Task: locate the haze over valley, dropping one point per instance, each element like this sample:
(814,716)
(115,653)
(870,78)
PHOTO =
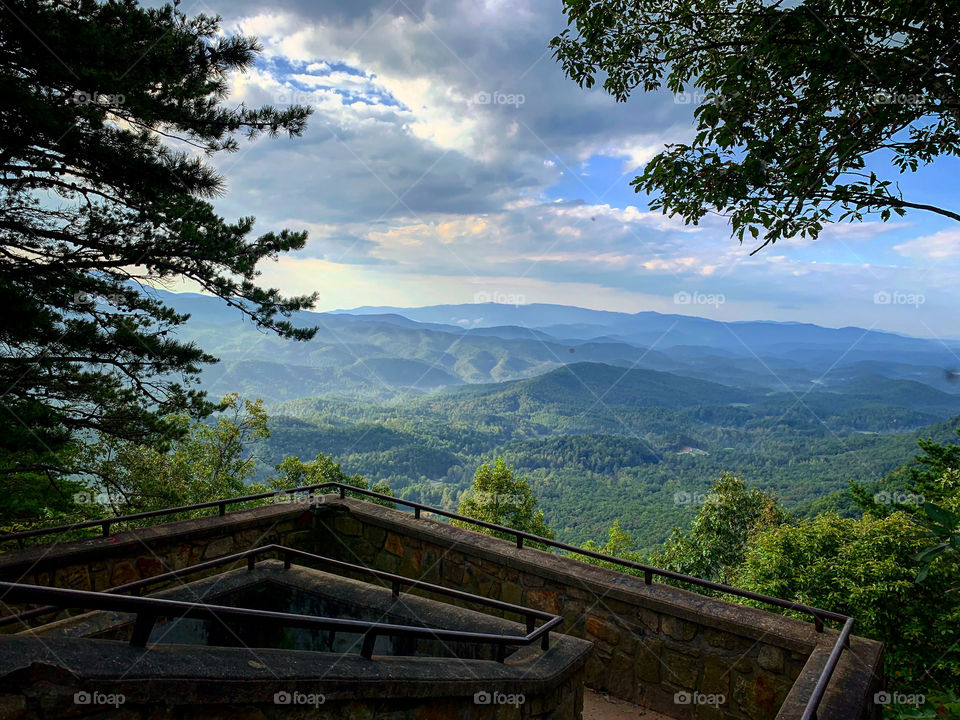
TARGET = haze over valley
(610,415)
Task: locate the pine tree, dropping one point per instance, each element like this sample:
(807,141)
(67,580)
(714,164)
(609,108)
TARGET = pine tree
(109,113)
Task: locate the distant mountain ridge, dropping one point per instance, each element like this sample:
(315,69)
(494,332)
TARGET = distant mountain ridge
(386,352)
(672,329)
(593,383)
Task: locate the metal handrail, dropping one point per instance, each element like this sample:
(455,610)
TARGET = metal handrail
(843,641)
(106,523)
(819,615)
(396,582)
(148,610)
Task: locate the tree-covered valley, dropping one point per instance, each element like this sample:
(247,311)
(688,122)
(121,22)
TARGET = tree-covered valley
(161,349)
(605,426)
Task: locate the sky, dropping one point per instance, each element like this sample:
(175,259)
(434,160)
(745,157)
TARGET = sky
(449,160)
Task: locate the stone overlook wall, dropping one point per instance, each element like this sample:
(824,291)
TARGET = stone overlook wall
(682,654)
(666,649)
(225,685)
(99,564)
(40,681)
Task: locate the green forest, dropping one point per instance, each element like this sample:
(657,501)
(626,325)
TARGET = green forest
(816,464)
(592,463)
(885,550)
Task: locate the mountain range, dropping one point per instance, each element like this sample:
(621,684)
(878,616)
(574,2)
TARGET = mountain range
(609,415)
(389,351)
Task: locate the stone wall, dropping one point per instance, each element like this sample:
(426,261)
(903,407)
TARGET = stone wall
(101,563)
(226,684)
(658,646)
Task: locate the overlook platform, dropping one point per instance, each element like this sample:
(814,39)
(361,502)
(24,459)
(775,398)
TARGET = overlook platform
(668,652)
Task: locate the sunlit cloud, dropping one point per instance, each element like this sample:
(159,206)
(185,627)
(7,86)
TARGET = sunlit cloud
(446,143)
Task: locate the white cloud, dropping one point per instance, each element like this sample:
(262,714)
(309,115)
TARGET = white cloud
(628,215)
(448,190)
(943,245)
(637,149)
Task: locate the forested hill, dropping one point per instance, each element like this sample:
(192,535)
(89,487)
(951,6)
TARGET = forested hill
(389,354)
(593,383)
(610,414)
(593,463)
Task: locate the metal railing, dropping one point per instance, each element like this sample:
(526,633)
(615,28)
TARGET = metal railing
(148,610)
(818,615)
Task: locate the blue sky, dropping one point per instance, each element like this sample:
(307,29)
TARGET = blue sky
(449,159)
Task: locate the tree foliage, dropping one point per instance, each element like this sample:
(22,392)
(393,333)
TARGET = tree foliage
(209,460)
(930,473)
(805,111)
(582,473)
(619,544)
(943,529)
(721,531)
(293,472)
(498,497)
(895,569)
(868,568)
(931,476)
(104,190)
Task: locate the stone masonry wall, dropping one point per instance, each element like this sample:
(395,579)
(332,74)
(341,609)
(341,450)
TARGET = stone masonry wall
(99,564)
(665,649)
(658,646)
(53,701)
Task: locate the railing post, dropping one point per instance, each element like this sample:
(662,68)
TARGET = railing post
(501,652)
(396,588)
(286,560)
(251,562)
(647,577)
(818,623)
(106,528)
(530,623)
(366,650)
(142,629)
(223,509)
(343,492)
(545,641)
(519,542)
(416,512)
